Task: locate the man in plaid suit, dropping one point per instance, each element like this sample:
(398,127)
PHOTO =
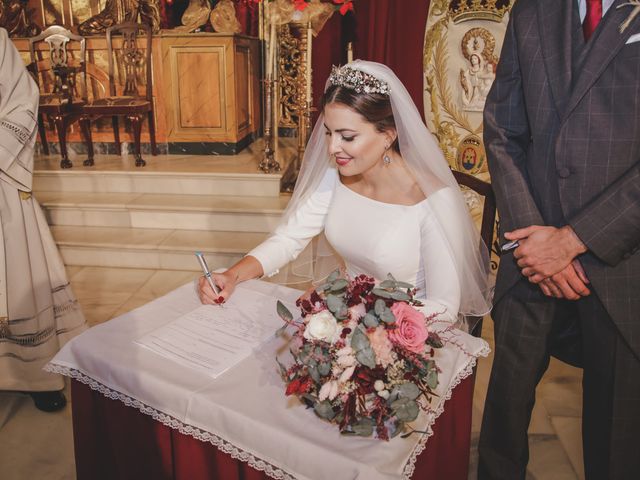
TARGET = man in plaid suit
(562,132)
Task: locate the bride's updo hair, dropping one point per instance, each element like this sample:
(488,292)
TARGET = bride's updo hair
(375,108)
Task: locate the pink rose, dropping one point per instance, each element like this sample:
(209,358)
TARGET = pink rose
(411,329)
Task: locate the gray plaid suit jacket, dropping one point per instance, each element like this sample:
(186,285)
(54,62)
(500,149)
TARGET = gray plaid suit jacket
(562,132)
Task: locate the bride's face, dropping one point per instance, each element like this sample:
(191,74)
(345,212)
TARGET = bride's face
(355,144)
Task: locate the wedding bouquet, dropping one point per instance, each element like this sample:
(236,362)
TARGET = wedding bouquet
(363,355)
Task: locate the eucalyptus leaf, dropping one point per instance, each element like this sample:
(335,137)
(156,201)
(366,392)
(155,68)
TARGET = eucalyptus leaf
(333,276)
(406,410)
(388,284)
(388,317)
(400,296)
(370,320)
(284,312)
(313,372)
(339,284)
(381,293)
(379,307)
(408,390)
(324,410)
(404,285)
(334,303)
(359,339)
(363,428)
(432,379)
(391,277)
(283,369)
(366,357)
(324,368)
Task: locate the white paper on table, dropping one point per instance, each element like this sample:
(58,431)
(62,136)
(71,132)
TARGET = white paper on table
(213,339)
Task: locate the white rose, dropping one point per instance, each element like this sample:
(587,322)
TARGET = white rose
(378,385)
(322,326)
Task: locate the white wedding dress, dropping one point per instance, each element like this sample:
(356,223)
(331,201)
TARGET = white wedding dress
(374,238)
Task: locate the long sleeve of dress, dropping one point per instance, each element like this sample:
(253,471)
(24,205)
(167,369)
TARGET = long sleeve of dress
(18,116)
(292,236)
(442,285)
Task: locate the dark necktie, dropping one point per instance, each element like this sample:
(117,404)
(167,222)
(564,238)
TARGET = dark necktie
(594,14)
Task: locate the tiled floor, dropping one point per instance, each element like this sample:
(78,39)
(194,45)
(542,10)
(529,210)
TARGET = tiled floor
(39,446)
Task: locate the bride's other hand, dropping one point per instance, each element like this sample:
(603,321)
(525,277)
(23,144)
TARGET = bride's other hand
(226,281)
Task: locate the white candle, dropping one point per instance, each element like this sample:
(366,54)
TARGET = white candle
(350,52)
(309,46)
(272,51)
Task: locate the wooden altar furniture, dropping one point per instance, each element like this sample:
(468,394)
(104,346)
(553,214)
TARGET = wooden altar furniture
(60,76)
(125,98)
(205,91)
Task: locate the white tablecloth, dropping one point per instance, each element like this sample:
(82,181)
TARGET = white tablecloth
(244,412)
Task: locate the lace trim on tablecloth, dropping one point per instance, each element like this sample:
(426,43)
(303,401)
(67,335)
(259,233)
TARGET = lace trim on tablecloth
(239,454)
(410,466)
(223,445)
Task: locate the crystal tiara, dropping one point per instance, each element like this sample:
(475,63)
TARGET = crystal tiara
(357,80)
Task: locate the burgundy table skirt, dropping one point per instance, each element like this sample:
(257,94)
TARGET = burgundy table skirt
(116,442)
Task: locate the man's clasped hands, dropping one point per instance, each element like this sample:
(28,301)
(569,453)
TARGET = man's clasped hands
(547,256)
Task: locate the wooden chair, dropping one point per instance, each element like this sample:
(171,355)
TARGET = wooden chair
(59,77)
(125,98)
(488,220)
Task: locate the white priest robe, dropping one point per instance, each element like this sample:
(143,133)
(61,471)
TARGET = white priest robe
(38,311)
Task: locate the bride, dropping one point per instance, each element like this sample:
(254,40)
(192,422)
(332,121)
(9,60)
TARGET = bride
(375,182)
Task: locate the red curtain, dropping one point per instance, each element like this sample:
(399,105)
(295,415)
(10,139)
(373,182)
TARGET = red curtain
(392,32)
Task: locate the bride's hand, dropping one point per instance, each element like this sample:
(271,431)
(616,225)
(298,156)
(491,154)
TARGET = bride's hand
(226,281)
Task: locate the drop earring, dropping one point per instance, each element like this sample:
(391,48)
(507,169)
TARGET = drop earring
(386,159)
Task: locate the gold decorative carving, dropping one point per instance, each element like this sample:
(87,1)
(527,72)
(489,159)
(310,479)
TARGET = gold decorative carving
(459,68)
(15,18)
(118,11)
(288,71)
(491,10)
(223,18)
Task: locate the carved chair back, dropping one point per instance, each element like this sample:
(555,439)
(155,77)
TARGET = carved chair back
(63,71)
(485,190)
(130,65)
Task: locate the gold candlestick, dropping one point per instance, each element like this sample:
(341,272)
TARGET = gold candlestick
(269,163)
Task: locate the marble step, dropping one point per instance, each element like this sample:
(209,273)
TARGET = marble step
(157,182)
(156,211)
(163,249)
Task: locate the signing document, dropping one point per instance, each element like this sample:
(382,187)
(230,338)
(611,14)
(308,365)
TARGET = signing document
(213,339)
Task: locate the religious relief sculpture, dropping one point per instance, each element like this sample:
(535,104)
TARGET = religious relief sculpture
(118,11)
(476,79)
(14,18)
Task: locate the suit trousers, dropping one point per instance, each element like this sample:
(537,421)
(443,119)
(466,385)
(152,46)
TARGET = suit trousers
(529,327)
